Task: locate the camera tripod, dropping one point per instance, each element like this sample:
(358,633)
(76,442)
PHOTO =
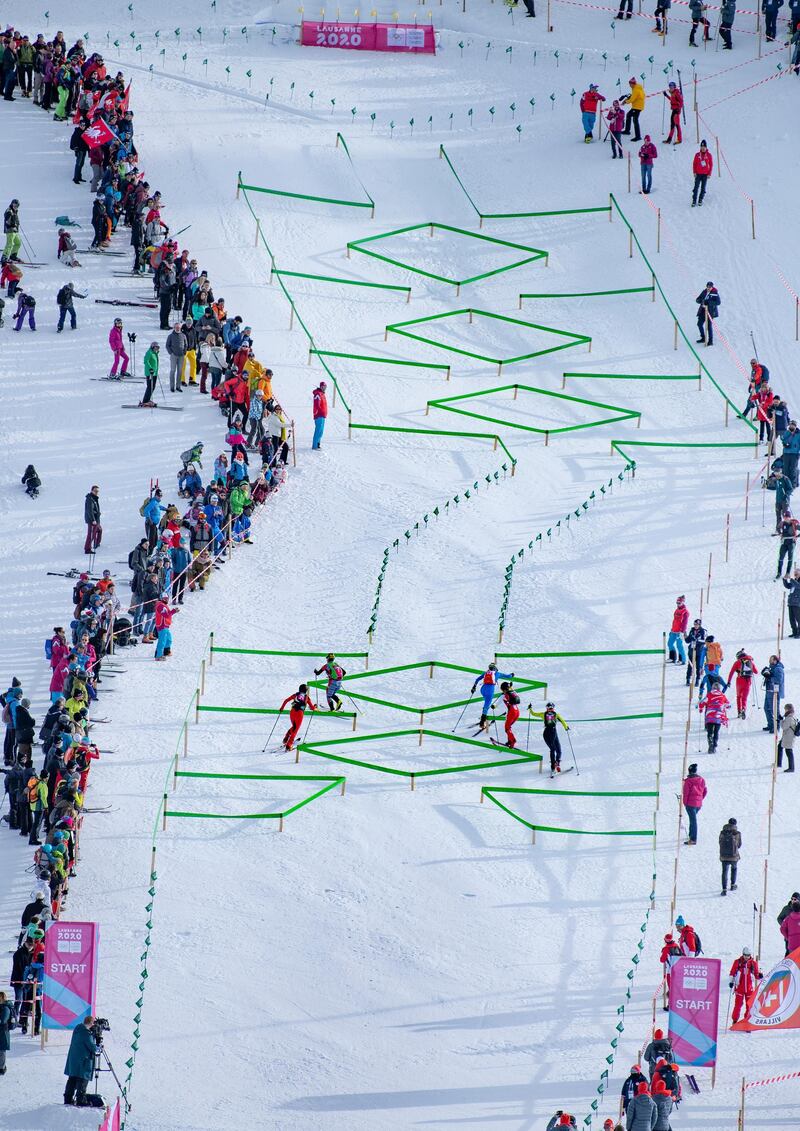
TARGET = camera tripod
(101,1054)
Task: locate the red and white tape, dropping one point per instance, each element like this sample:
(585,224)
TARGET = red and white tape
(771,1080)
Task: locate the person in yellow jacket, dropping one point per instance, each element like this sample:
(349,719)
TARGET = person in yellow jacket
(37,799)
(636,100)
(76,702)
(550,718)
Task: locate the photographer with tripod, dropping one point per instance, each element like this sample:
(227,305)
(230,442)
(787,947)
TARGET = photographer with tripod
(80,1062)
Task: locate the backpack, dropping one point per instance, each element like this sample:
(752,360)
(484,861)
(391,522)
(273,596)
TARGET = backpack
(698,945)
(33,790)
(141,512)
(746,669)
(727,844)
(48,649)
(670,1078)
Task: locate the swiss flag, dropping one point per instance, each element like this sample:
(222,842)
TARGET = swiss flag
(124,102)
(99,133)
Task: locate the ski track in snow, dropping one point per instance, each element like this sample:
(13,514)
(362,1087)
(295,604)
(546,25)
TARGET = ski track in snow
(398,959)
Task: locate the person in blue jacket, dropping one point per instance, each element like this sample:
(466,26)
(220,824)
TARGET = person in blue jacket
(488,684)
(708,304)
(80,1063)
(773,691)
(189,482)
(770,10)
(11,700)
(696,641)
(215,516)
(152,512)
(180,563)
(790,439)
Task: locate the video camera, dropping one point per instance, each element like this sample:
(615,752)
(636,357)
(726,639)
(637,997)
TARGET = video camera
(99,1026)
(131,337)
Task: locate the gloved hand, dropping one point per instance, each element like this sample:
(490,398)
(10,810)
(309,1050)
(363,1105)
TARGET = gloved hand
(731,983)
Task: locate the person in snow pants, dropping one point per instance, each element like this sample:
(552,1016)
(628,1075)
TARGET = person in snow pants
(91,516)
(551,718)
(335,673)
(744,978)
(488,684)
(300,700)
(715,705)
(511,703)
(793,603)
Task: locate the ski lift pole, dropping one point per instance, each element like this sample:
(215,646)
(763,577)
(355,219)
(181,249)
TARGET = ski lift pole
(572,750)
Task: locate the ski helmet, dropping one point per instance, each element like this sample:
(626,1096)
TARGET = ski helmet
(505,686)
(550,705)
(330,656)
(303,687)
(492,667)
(672,86)
(746,952)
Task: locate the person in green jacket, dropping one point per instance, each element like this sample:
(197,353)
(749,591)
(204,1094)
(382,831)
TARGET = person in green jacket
(151,375)
(239,498)
(25,57)
(37,799)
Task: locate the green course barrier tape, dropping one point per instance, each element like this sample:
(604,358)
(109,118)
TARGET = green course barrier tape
(487,789)
(574,339)
(617,445)
(381,360)
(435,432)
(587,294)
(281,652)
(340,138)
(256,777)
(446,405)
(634,376)
(308,196)
(339,279)
(333,783)
(598,652)
(443,153)
(534,253)
(489,793)
(266,710)
(619,718)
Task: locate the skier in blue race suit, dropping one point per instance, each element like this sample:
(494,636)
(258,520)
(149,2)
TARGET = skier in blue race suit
(488,683)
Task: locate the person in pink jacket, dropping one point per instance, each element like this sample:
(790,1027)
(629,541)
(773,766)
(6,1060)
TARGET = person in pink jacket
(616,123)
(680,622)
(117,343)
(694,792)
(790,929)
(715,706)
(59,677)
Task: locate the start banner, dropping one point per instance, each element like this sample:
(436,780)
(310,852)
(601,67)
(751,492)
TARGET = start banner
(70,973)
(694,1010)
(415,38)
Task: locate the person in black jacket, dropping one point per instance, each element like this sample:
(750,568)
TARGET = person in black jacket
(24,727)
(148,596)
(708,304)
(80,149)
(91,516)
(793,585)
(696,641)
(22,958)
(99,221)
(636,1078)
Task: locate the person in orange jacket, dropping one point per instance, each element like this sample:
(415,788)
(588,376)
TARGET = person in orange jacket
(675,99)
(702,167)
(745,668)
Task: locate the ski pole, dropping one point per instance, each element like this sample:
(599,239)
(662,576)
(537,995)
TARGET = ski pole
(755,348)
(266,744)
(730,995)
(31,252)
(461,716)
(755,913)
(310,717)
(572,748)
(351,703)
(528,739)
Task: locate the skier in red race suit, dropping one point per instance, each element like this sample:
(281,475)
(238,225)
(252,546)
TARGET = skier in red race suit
(511,702)
(745,976)
(680,622)
(300,700)
(675,98)
(745,666)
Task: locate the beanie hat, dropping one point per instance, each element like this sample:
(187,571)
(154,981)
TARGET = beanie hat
(680,921)
(658,1035)
(565,1120)
(659,1088)
(642,1090)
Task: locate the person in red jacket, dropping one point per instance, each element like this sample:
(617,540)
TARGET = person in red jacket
(744,978)
(300,700)
(702,167)
(680,622)
(511,703)
(790,929)
(675,98)
(670,953)
(590,100)
(694,794)
(745,668)
(764,399)
(319,411)
(687,939)
(164,615)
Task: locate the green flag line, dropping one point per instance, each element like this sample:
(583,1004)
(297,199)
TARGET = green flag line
(632,376)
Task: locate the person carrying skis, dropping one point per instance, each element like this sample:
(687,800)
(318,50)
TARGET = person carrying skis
(150,375)
(590,100)
(696,647)
(335,674)
(744,978)
(675,99)
(787,531)
(117,344)
(300,700)
(551,718)
(616,119)
(488,684)
(511,702)
(745,667)
(715,705)
(635,100)
(688,939)
(694,794)
(680,622)
(65,307)
(708,304)
(702,167)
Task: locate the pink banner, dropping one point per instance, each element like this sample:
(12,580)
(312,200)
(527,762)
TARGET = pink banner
(417,39)
(694,1010)
(70,973)
(112,1119)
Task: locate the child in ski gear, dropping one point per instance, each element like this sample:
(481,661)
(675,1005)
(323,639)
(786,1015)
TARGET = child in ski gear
(708,304)
(164,615)
(117,344)
(193,455)
(660,1048)
(300,700)
(670,952)
(675,99)
(561,1119)
(714,656)
(488,683)
(715,705)
(680,622)
(694,793)
(319,411)
(67,248)
(744,666)
(590,100)
(789,724)
(616,120)
(702,167)
(26,308)
(744,978)
(688,939)
(335,673)
(31,481)
(511,702)
(647,155)
(551,718)
(730,841)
